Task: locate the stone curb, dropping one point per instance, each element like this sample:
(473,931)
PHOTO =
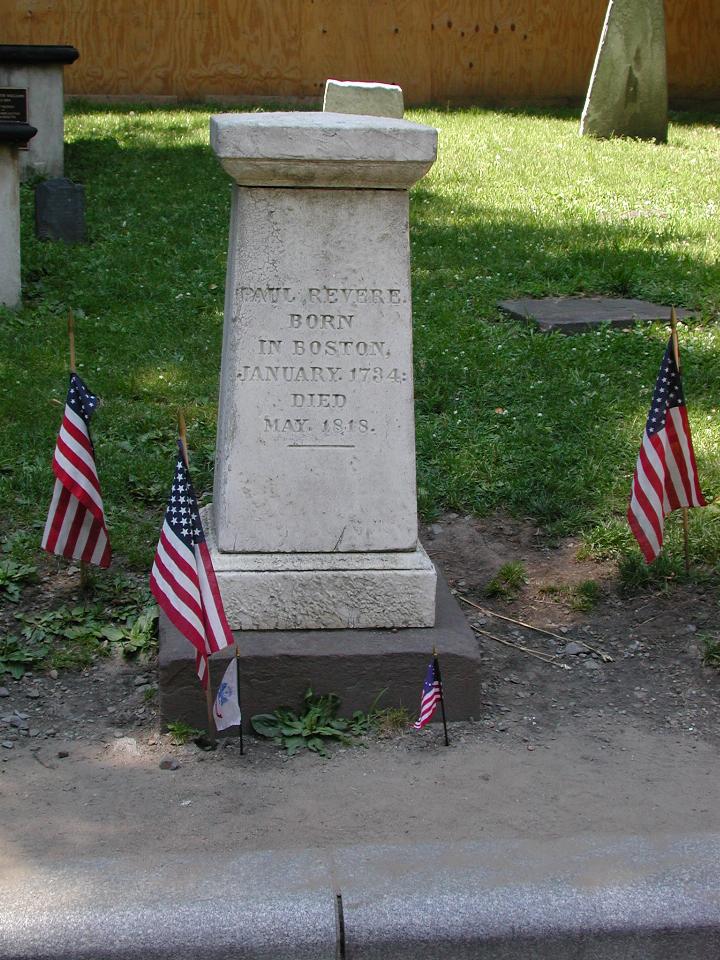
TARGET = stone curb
(583,898)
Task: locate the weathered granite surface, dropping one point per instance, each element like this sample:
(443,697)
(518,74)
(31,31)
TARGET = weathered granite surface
(627,96)
(580,314)
(316,442)
(572,898)
(370,99)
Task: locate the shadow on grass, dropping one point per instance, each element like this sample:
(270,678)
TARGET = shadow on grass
(700,114)
(545,426)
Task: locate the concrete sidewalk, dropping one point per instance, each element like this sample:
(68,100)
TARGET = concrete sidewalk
(582,898)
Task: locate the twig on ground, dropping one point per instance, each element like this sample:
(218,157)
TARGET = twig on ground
(48,766)
(545,657)
(605,657)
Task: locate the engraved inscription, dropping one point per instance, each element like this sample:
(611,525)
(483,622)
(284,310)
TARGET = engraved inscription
(343,337)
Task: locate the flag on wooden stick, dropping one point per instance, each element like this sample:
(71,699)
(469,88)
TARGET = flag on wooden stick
(182,579)
(75,526)
(666,476)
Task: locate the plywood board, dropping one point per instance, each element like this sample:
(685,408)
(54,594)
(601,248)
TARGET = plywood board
(437,50)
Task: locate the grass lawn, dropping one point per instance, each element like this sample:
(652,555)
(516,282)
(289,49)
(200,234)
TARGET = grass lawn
(545,427)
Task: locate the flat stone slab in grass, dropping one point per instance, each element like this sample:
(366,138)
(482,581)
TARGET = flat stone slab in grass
(580,314)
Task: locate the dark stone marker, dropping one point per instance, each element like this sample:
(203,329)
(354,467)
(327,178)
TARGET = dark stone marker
(277,667)
(580,314)
(60,211)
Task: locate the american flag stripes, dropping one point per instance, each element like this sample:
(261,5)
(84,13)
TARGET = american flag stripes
(182,579)
(75,526)
(431,696)
(665,475)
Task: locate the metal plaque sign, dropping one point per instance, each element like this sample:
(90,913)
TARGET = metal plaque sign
(13,104)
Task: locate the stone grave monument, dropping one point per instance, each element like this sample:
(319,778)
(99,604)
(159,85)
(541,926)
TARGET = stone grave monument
(369,99)
(13,137)
(313,527)
(627,96)
(31,91)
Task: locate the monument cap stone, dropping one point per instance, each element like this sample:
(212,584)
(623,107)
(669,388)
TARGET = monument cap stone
(38,53)
(322,149)
(361,97)
(16,134)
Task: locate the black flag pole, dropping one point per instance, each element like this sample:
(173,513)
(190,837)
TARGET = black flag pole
(685,511)
(237,680)
(436,666)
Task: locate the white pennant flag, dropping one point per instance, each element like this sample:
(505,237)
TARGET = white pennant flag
(226,709)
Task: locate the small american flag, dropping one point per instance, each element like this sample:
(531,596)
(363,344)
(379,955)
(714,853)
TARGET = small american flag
(665,475)
(75,526)
(182,579)
(431,696)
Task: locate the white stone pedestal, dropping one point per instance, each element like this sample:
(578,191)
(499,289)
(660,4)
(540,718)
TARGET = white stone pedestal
(12,136)
(314,516)
(38,70)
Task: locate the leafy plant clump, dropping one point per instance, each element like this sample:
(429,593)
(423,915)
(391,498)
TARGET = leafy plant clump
(710,651)
(124,617)
(315,727)
(12,575)
(16,657)
(508,581)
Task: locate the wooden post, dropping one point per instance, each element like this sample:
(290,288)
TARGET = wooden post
(208,688)
(85,578)
(685,511)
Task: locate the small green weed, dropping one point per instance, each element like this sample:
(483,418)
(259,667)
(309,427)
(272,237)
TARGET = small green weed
(710,650)
(182,732)
(21,546)
(580,596)
(390,721)
(585,595)
(17,657)
(313,728)
(636,575)
(508,581)
(150,694)
(12,574)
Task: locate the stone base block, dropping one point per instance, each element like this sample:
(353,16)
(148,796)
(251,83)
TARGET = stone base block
(277,667)
(324,591)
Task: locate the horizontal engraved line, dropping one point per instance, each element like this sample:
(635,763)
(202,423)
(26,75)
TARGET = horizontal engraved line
(344,446)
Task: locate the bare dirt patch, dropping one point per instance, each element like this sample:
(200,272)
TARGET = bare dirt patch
(624,746)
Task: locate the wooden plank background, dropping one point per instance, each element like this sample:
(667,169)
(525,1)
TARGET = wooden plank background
(489,51)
